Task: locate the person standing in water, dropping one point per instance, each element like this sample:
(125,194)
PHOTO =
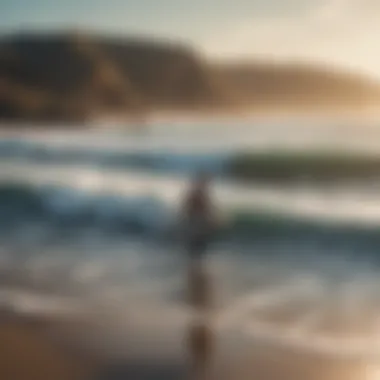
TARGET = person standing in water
(199,228)
(199,215)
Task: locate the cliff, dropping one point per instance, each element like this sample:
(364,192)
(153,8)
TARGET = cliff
(72,77)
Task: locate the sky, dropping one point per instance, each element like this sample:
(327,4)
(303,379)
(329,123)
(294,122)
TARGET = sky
(343,33)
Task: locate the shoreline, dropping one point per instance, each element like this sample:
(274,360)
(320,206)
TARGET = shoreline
(185,117)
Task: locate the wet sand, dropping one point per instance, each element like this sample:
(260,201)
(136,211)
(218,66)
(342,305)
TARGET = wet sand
(28,353)
(36,349)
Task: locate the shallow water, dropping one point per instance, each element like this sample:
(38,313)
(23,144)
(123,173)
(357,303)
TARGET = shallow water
(81,237)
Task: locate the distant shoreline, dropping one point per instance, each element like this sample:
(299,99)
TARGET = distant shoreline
(69,78)
(182,117)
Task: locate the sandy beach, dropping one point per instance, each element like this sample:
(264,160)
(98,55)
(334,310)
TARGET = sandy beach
(31,350)
(27,352)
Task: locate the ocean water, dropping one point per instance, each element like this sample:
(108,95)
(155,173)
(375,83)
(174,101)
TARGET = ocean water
(88,227)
